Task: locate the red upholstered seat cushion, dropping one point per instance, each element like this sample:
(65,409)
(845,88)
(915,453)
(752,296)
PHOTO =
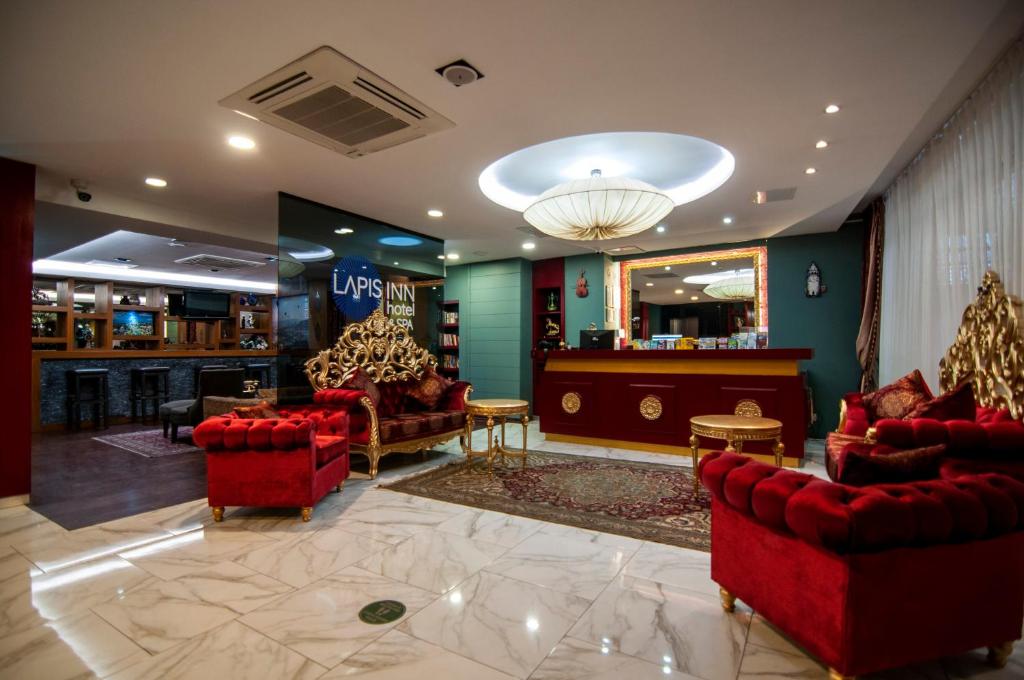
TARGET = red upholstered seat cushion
(242,434)
(861,464)
(329,447)
(956,404)
(898,399)
(993,439)
(430,388)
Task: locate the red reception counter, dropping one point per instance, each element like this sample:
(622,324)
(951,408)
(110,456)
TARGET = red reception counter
(644,399)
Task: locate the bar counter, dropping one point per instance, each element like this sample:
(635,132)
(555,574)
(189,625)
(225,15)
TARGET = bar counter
(644,399)
(49,383)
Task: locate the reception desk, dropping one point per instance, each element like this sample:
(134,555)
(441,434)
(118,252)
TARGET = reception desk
(643,399)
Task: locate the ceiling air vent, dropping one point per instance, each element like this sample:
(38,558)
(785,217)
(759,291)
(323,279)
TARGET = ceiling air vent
(532,231)
(218,262)
(773,195)
(328,99)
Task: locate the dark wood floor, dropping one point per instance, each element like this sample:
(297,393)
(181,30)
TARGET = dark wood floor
(78,481)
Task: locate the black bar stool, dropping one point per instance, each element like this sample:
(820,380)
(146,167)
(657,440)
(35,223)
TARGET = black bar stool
(259,372)
(149,385)
(88,387)
(199,369)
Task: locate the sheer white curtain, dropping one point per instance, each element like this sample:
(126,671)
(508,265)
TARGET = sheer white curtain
(953,214)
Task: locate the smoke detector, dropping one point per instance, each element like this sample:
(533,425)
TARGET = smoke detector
(459,73)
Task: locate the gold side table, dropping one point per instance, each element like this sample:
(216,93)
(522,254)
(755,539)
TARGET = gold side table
(735,429)
(491,409)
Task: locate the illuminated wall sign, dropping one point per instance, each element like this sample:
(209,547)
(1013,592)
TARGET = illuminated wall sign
(358,289)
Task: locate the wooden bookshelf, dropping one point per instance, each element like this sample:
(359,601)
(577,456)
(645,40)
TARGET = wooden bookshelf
(448,339)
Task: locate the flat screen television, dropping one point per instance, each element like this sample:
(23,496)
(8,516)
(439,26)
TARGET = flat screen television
(175,304)
(597,339)
(201,304)
(133,323)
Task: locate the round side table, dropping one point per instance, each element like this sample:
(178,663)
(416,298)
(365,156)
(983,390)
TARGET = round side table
(735,429)
(491,409)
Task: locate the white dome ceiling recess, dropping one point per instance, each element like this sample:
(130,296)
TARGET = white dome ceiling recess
(606,185)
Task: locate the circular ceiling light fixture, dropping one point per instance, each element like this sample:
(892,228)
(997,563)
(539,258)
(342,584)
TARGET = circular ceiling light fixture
(399,241)
(620,183)
(732,288)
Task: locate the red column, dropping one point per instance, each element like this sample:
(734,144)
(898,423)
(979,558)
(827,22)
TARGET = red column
(17,217)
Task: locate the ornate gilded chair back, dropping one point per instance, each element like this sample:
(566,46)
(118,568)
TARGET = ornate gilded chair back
(748,408)
(382,348)
(989,349)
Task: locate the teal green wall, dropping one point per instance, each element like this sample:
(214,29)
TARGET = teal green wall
(494,326)
(827,324)
(581,312)
(654,319)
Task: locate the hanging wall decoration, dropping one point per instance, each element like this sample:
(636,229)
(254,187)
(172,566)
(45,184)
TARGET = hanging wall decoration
(815,287)
(582,289)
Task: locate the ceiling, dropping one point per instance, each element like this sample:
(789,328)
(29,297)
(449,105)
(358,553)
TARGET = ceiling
(667,282)
(113,92)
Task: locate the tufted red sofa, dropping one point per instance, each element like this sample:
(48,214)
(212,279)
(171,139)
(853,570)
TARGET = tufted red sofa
(870,578)
(275,462)
(395,423)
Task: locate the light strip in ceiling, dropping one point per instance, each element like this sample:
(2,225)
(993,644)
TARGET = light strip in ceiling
(63,268)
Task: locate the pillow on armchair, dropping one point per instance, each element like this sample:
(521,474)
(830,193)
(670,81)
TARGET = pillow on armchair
(429,390)
(956,404)
(863,464)
(898,399)
(360,380)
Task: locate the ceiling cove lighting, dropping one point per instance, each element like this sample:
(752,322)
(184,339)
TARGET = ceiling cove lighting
(821,144)
(156,182)
(832,108)
(343,230)
(247,115)
(241,142)
(64,268)
(434,212)
(399,241)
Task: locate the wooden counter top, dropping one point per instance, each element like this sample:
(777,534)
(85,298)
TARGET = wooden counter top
(45,355)
(796,353)
(679,361)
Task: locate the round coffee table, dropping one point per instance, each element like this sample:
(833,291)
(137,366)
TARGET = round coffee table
(735,429)
(491,409)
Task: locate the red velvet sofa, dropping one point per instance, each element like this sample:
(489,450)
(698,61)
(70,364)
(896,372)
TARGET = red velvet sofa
(389,421)
(274,462)
(873,578)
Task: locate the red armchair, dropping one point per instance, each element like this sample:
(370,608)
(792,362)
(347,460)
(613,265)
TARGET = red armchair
(868,579)
(273,462)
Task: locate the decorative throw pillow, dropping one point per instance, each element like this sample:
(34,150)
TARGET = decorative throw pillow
(429,390)
(862,464)
(360,380)
(956,404)
(899,398)
(260,410)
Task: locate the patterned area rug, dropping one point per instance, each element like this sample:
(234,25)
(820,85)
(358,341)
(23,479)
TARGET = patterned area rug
(647,501)
(151,443)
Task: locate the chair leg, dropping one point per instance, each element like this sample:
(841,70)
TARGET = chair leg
(174,433)
(341,486)
(167,425)
(307,513)
(833,674)
(999,654)
(218,513)
(374,456)
(728,600)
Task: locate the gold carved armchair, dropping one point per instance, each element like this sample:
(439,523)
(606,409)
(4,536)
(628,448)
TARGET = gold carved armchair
(392,362)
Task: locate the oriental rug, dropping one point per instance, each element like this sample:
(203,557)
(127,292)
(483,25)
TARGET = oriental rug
(151,443)
(647,501)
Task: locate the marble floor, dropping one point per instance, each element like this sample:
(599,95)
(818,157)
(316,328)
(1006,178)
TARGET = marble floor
(488,596)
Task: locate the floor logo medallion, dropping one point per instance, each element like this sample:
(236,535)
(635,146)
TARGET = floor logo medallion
(381,612)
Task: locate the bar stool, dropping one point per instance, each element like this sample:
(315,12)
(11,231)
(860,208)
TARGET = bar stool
(199,369)
(149,385)
(88,387)
(259,372)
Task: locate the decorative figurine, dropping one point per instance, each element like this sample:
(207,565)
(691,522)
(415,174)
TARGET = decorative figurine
(815,288)
(552,301)
(551,329)
(582,289)
(253,300)
(134,299)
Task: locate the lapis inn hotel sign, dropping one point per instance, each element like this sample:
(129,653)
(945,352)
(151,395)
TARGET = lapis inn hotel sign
(358,289)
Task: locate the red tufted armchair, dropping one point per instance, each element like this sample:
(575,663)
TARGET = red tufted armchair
(273,462)
(872,578)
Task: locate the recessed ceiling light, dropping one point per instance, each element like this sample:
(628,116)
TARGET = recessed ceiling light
(667,268)
(694,297)
(832,108)
(399,241)
(679,291)
(648,284)
(660,229)
(440,257)
(343,230)
(453,256)
(810,171)
(240,142)
(529,245)
(726,220)
(434,212)
(396,263)
(247,115)
(821,144)
(156,182)
(714,263)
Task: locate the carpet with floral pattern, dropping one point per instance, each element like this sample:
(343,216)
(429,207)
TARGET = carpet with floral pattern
(648,501)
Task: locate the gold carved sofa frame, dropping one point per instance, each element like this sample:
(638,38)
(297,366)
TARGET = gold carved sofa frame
(988,350)
(388,354)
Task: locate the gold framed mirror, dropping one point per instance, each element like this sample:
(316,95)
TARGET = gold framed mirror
(732,275)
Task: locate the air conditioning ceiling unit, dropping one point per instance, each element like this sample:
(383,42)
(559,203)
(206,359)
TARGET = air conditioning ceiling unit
(330,100)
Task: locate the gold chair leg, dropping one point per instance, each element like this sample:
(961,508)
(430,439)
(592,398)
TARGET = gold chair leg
(694,445)
(526,423)
(999,654)
(833,674)
(779,450)
(728,600)
(374,457)
(218,513)
(307,514)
